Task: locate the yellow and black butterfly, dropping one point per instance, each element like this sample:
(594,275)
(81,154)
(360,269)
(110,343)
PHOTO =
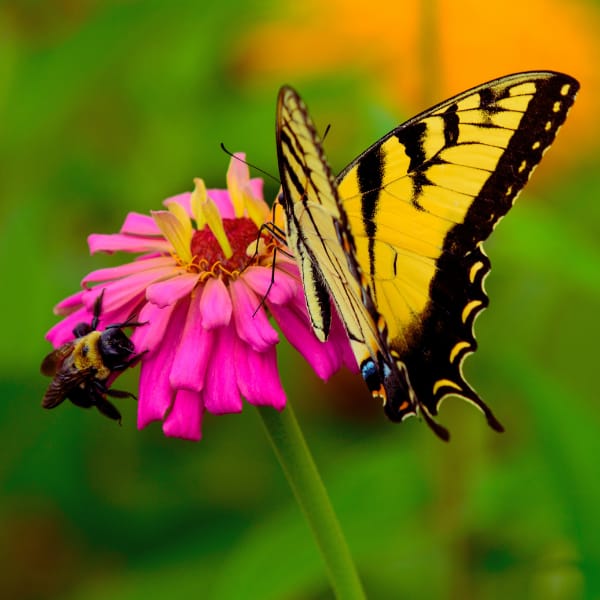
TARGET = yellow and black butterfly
(396,239)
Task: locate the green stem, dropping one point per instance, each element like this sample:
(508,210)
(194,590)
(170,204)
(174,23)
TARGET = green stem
(301,472)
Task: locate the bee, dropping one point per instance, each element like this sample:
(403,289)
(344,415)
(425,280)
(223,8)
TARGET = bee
(81,368)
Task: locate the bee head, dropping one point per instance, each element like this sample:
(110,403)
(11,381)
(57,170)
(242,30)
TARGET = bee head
(82,329)
(115,347)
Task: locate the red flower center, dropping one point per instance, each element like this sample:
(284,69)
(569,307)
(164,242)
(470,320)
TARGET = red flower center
(208,255)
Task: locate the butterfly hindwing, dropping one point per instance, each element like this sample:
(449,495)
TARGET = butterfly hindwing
(317,228)
(319,234)
(396,239)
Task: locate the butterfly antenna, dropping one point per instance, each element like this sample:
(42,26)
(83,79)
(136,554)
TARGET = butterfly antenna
(232,155)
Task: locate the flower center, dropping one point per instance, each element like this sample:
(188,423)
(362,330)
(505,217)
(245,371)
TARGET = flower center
(207,252)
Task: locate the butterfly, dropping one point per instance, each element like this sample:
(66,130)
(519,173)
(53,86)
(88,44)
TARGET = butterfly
(395,240)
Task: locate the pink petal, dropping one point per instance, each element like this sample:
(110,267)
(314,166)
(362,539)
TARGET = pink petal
(251,322)
(215,304)
(256,185)
(223,201)
(338,339)
(293,321)
(219,197)
(182,199)
(151,336)
(194,351)
(156,393)
(288,265)
(63,331)
(185,417)
(258,377)
(140,225)
(124,290)
(117,242)
(221,393)
(130,268)
(69,304)
(278,287)
(171,290)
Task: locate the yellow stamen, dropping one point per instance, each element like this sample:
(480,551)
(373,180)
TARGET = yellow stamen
(237,176)
(206,213)
(256,208)
(176,233)
(198,198)
(216,269)
(240,191)
(176,209)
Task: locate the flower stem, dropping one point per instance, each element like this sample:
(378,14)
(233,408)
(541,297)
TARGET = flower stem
(301,472)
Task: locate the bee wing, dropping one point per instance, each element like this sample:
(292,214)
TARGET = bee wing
(63,383)
(54,361)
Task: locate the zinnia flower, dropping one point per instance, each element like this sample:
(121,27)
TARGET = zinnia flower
(205,284)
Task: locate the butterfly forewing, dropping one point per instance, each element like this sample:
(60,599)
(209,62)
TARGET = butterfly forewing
(420,202)
(317,230)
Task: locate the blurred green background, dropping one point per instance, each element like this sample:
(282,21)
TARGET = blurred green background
(108,107)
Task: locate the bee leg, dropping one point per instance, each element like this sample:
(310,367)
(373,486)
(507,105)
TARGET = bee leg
(131,362)
(120,394)
(82,401)
(108,409)
(98,395)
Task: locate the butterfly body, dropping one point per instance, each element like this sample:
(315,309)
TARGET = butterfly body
(396,239)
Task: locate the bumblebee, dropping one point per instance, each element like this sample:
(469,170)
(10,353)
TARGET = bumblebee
(81,369)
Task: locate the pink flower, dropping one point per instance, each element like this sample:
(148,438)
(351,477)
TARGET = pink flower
(205,287)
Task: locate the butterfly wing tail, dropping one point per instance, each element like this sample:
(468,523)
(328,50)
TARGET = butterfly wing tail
(389,382)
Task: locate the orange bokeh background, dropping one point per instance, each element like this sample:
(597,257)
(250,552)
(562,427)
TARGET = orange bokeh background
(414,54)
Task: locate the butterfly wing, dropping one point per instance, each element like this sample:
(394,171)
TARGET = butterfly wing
(396,239)
(421,201)
(319,234)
